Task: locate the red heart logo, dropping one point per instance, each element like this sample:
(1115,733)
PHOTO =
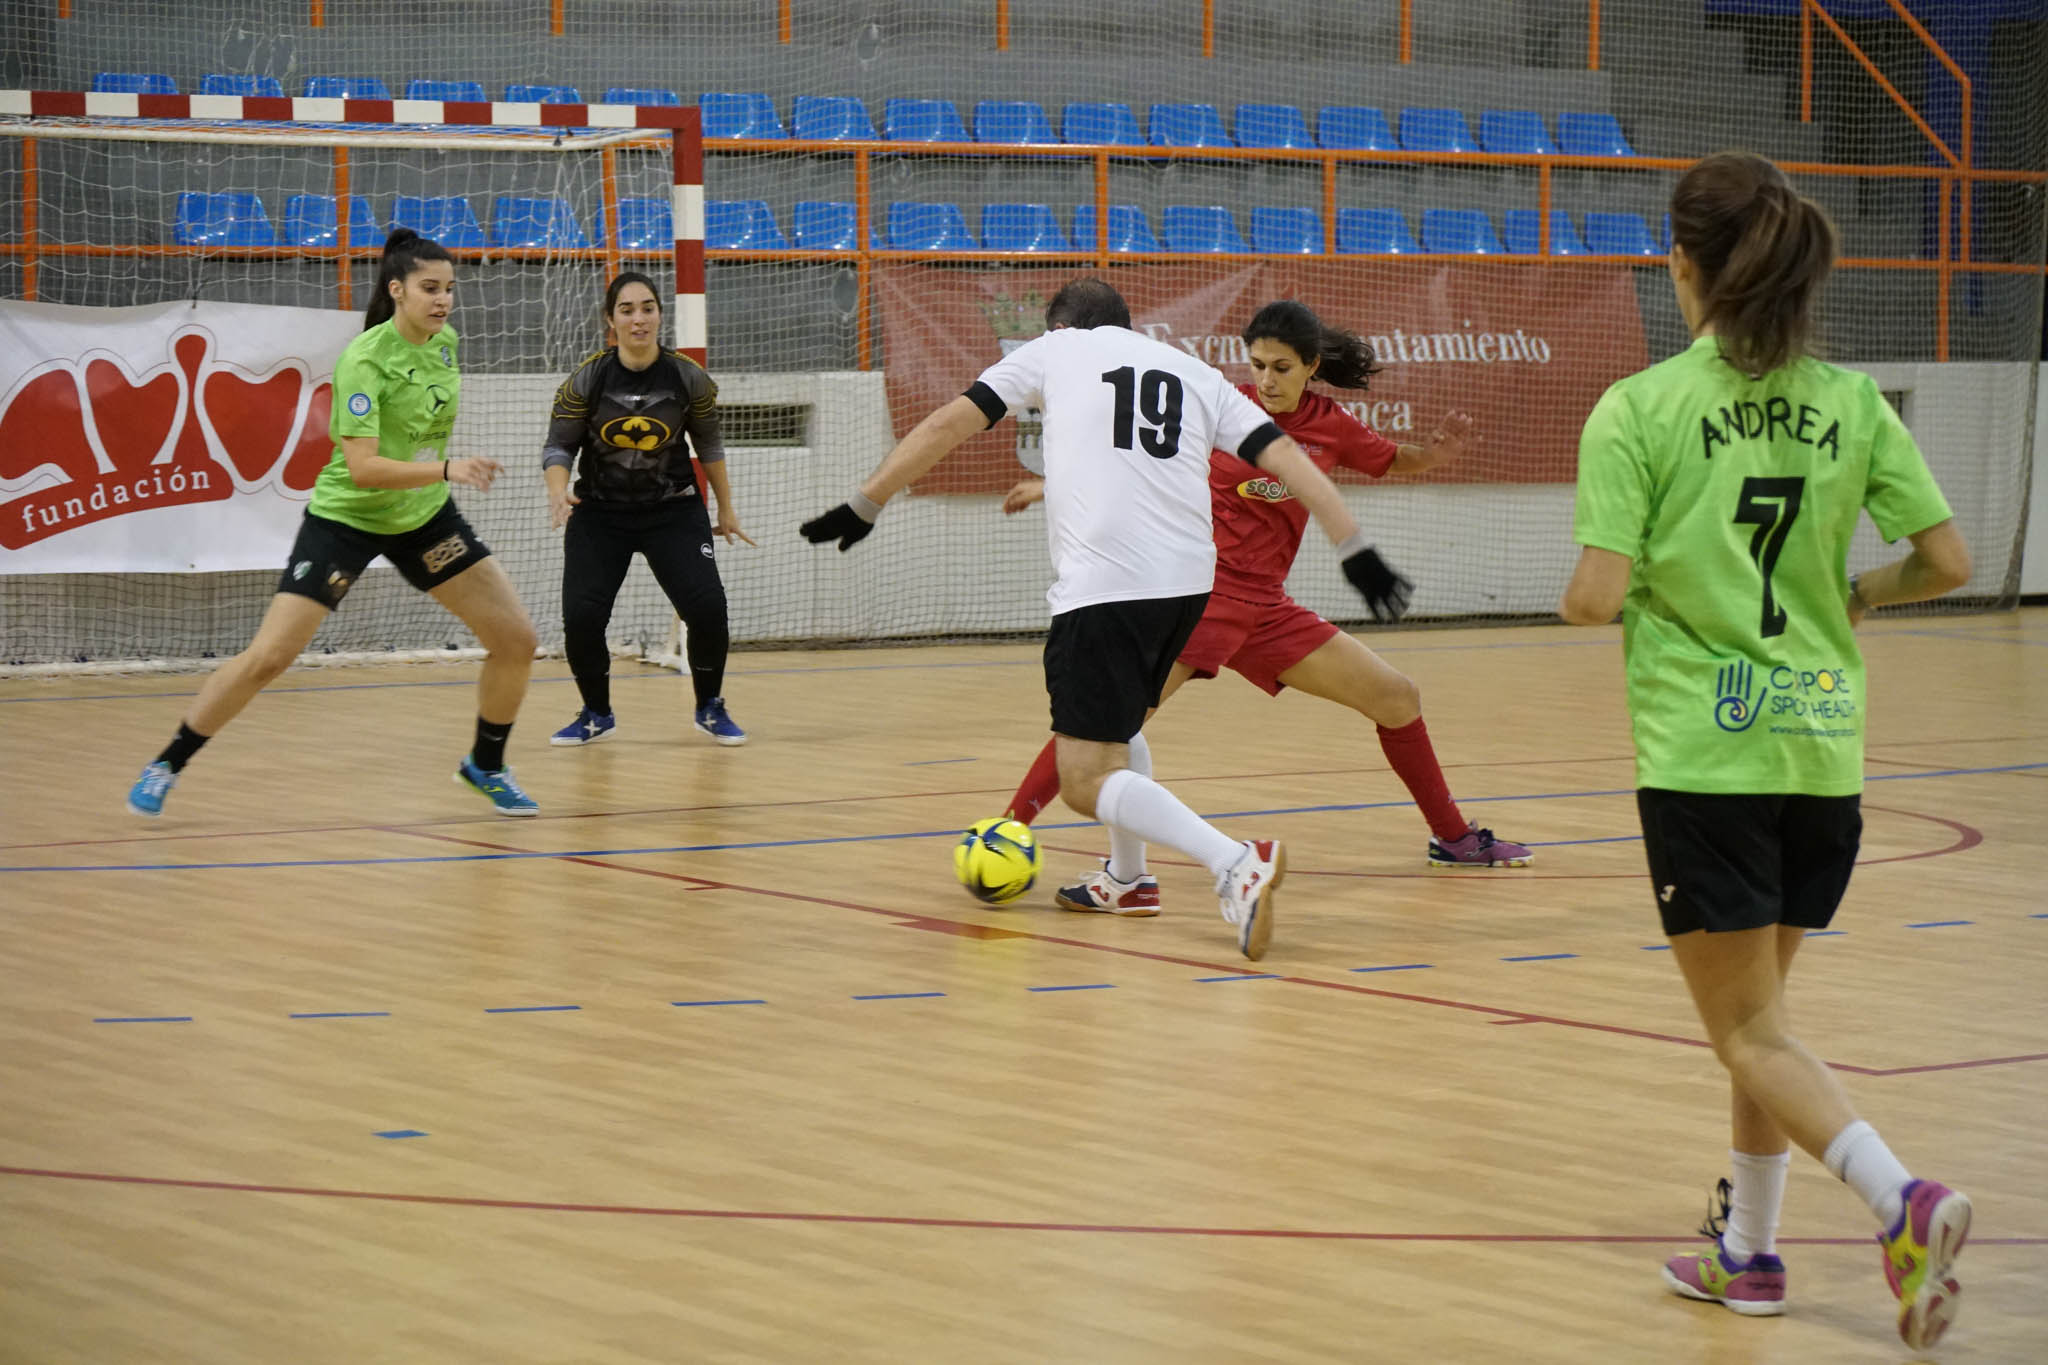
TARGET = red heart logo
(315,447)
(252,421)
(43,425)
(141,414)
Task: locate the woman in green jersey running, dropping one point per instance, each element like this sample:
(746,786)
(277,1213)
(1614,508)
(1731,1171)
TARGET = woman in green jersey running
(1717,495)
(385,491)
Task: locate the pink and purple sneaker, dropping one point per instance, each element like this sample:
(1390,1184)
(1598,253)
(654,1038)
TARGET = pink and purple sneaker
(1755,1288)
(1478,848)
(1919,1252)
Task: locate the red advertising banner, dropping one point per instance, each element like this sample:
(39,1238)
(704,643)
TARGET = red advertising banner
(1526,350)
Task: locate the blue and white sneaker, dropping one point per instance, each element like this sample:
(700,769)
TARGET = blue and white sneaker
(588,728)
(146,797)
(713,721)
(498,786)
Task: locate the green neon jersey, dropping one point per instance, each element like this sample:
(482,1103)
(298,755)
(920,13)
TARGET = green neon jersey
(405,396)
(1735,499)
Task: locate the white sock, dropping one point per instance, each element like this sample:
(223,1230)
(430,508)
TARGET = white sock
(1127,850)
(1758,1194)
(1859,1158)
(1134,802)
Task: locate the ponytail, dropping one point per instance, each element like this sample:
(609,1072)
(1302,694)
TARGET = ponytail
(404,249)
(1342,359)
(1762,251)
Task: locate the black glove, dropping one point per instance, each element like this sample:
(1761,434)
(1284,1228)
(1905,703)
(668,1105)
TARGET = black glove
(842,524)
(1385,591)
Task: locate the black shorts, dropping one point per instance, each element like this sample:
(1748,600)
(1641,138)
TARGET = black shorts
(1106,664)
(1726,862)
(330,555)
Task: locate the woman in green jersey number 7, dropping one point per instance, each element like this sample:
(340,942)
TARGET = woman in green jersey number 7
(1717,494)
(385,492)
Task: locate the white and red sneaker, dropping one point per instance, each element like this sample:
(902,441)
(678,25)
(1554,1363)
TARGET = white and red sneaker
(1246,893)
(1100,893)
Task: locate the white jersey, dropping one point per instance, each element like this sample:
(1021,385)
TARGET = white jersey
(1129,424)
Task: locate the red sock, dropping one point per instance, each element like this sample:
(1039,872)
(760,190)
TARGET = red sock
(1408,749)
(1040,786)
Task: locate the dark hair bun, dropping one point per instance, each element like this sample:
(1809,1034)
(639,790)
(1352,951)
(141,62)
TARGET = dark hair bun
(400,239)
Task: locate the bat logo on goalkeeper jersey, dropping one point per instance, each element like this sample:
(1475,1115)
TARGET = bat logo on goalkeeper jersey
(89,437)
(637,432)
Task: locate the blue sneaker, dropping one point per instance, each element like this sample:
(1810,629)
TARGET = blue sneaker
(713,721)
(146,797)
(499,786)
(588,728)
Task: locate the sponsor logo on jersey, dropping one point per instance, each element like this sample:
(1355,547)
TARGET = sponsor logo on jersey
(1264,489)
(447,356)
(637,432)
(359,404)
(705,549)
(437,398)
(441,554)
(1743,691)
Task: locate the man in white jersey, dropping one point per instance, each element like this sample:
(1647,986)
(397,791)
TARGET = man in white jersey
(1129,424)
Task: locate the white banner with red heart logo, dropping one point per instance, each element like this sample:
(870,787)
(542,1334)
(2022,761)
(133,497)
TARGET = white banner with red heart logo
(162,439)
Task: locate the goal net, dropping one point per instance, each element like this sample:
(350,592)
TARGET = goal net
(894,191)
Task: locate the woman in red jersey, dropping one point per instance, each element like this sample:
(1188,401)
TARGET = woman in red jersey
(1253,627)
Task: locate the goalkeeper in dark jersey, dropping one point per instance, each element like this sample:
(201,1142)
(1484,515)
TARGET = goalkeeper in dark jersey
(625,414)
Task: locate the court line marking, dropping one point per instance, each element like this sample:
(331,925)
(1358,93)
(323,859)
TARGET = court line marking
(899,1220)
(947,833)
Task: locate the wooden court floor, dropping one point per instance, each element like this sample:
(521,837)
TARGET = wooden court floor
(714,1062)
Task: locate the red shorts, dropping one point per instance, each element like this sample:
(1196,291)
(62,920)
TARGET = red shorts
(1259,640)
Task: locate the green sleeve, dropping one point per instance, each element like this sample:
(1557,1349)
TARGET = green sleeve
(1902,496)
(1613,504)
(357,396)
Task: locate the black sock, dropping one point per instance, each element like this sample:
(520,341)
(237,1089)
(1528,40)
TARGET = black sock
(597,692)
(489,751)
(180,750)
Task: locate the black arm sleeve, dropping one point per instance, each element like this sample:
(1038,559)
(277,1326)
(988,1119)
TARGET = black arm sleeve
(1255,444)
(991,404)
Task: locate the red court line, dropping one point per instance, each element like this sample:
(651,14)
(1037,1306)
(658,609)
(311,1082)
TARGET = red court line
(899,1220)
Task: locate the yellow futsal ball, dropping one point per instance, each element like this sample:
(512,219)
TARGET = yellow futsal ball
(996,859)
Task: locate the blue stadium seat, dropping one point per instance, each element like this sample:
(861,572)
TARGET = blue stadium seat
(222,220)
(311,220)
(634,94)
(1286,231)
(1015,122)
(644,224)
(1113,124)
(543,94)
(929,227)
(1272,125)
(1188,125)
(1667,233)
(1022,227)
(824,225)
(1459,230)
(1375,232)
(830,118)
(1591,135)
(133,83)
(1352,127)
(522,220)
(1514,130)
(742,223)
(746,114)
(448,221)
(346,88)
(1519,231)
(457,91)
(1128,230)
(1436,130)
(1200,227)
(907,120)
(1620,234)
(221,84)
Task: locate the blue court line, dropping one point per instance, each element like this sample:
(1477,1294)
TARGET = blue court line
(1608,839)
(1397,967)
(1539,957)
(531,1009)
(347,1014)
(934,762)
(687,1004)
(1241,976)
(1093,986)
(951,832)
(399,1133)
(148,1019)
(1656,947)
(1940,923)
(1823,933)
(904,995)
(2044,916)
